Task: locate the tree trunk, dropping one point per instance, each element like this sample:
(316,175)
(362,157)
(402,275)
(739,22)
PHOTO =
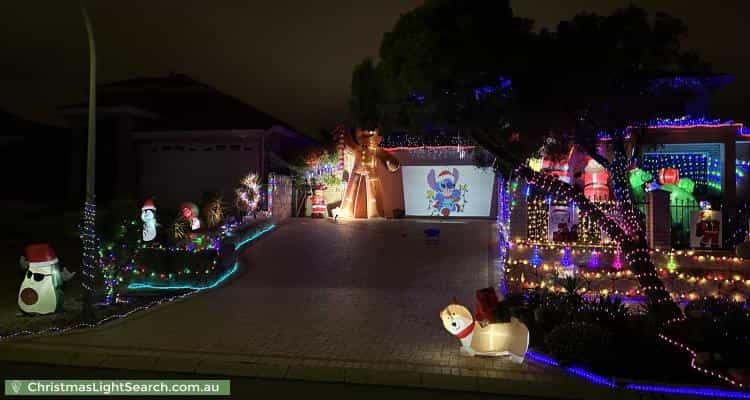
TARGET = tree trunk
(639,261)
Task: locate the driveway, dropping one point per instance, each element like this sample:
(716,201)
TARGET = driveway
(357,294)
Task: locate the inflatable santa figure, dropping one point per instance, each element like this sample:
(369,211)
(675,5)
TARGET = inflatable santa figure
(708,229)
(41,290)
(319,207)
(148,216)
(190,212)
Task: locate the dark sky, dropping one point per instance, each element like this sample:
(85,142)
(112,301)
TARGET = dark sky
(292,59)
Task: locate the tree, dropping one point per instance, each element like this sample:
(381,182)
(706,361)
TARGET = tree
(476,67)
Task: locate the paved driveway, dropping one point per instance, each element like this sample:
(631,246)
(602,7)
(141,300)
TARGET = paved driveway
(362,290)
(359,294)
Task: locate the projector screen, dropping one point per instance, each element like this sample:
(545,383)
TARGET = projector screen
(448,191)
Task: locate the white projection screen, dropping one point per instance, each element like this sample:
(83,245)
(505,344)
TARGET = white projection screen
(448,191)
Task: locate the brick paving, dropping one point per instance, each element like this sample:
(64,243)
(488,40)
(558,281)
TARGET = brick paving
(357,294)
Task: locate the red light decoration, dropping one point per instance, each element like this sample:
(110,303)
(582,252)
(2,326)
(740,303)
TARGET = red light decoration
(595,182)
(669,176)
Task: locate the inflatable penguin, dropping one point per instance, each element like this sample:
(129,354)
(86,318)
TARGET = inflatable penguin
(148,216)
(41,289)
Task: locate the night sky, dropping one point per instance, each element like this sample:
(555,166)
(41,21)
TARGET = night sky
(292,59)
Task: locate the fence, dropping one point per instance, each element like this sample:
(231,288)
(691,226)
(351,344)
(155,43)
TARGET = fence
(734,222)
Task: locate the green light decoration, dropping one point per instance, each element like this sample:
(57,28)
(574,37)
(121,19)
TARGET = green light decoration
(681,200)
(672,263)
(638,179)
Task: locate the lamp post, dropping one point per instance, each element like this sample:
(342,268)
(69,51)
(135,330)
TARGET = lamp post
(88,234)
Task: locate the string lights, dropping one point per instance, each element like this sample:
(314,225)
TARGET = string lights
(693,354)
(90,241)
(503,229)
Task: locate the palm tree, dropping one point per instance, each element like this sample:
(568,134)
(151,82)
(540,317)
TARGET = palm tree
(90,247)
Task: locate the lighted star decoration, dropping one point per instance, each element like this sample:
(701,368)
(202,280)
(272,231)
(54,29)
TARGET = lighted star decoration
(247,196)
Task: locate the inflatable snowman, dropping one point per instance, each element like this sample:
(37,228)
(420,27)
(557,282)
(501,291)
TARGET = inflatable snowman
(148,216)
(41,290)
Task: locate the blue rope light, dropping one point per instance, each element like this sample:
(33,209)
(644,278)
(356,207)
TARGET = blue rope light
(701,392)
(712,393)
(217,282)
(591,377)
(254,236)
(542,359)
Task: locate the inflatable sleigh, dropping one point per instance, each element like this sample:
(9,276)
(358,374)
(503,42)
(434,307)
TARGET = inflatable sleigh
(494,339)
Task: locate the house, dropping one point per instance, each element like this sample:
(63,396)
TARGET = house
(175,138)
(32,158)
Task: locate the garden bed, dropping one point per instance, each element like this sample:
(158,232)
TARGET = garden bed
(623,343)
(182,269)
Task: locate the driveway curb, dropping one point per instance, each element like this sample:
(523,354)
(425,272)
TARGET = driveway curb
(426,376)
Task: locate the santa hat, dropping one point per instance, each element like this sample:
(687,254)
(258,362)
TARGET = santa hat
(40,255)
(446,175)
(148,205)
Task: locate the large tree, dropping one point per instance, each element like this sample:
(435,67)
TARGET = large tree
(476,67)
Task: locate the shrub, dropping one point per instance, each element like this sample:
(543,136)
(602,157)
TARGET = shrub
(579,342)
(607,311)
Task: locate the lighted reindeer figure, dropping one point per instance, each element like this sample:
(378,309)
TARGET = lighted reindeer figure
(494,339)
(364,197)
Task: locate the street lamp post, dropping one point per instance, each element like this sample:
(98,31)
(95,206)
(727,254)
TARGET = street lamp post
(88,231)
